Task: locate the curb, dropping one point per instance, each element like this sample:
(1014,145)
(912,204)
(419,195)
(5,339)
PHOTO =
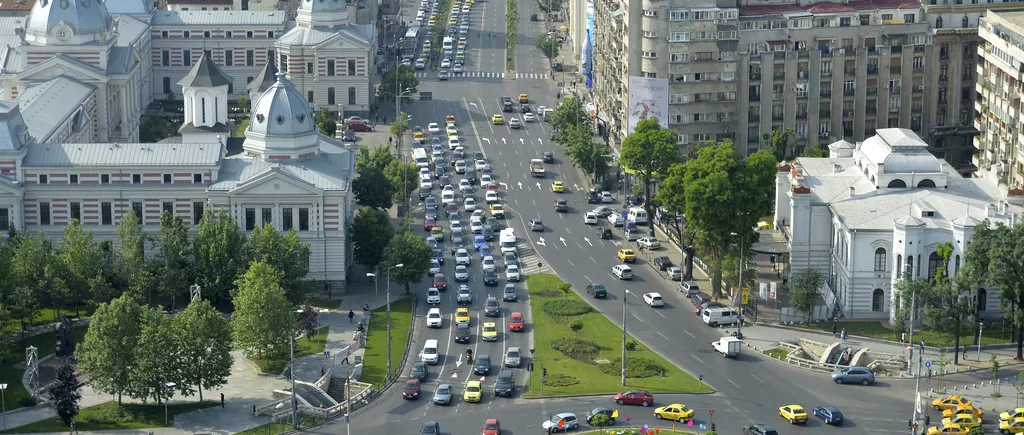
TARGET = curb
(570,396)
(878,340)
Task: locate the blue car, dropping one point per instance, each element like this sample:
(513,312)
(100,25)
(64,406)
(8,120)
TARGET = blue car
(485,251)
(479,241)
(830,414)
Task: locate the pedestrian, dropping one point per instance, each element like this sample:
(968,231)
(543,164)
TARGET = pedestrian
(835,331)
(903,337)
(345,361)
(322,371)
(254,410)
(376,118)
(351,315)
(366,309)
(842,335)
(389,140)
(221,400)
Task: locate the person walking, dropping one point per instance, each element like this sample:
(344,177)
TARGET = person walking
(351,315)
(842,335)
(835,331)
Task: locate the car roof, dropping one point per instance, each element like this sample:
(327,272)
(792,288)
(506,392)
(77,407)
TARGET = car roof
(491,420)
(471,383)
(565,414)
(655,294)
(434,310)
(516,313)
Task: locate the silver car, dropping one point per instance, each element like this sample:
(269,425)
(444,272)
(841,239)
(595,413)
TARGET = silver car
(854,375)
(465,295)
(443,394)
(513,357)
(461,273)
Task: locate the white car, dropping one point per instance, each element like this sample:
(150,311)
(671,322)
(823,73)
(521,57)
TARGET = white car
(426,184)
(486,178)
(529,117)
(434,318)
(476,226)
(462,257)
(491,197)
(616,219)
(590,218)
(461,273)
(477,215)
(455,226)
(435,267)
(470,204)
(606,197)
(488,264)
(424,172)
(654,299)
(465,185)
(433,296)
(480,164)
(648,242)
(457,68)
(460,166)
(448,188)
(622,271)
(453,142)
(447,197)
(446,63)
(433,127)
(512,273)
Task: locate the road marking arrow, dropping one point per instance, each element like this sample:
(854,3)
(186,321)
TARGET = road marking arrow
(562,239)
(520,185)
(458,363)
(483,378)
(472,104)
(538,184)
(541,242)
(503,141)
(588,241)
(503,185)
(576,187)
(522,141)
(616,243)
(540,141)
(486,140)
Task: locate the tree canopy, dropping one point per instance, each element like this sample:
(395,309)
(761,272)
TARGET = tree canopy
(570,113)
(371,233)
(407,83)
(410,250)
(649,151)
(996,256)
(373,189)
(264,319)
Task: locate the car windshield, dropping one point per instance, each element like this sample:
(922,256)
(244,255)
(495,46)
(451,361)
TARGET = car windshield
(490,329)
(513,354)
(490,426)
(410,386)
(473,389)
(442,390)
(434,315)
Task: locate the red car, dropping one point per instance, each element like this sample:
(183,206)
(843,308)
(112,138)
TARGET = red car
(491,427)
(439,282)
(700,307)
(634,397)
(411,390)
(429,224)
(359,125)
(516,323)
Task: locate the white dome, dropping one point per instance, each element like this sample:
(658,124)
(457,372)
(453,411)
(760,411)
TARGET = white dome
(68,21)
(282,112)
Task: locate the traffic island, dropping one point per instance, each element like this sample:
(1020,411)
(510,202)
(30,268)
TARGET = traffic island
(612,430)
(375,360)
(578,351)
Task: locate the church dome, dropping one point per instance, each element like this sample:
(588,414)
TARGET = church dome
(68,21)
(282,112)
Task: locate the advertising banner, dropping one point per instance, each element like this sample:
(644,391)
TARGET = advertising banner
(648,99)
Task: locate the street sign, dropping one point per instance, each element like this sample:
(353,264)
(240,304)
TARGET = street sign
(928,364)
(711,411)
(700,378)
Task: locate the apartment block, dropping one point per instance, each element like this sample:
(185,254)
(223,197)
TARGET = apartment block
(999,89)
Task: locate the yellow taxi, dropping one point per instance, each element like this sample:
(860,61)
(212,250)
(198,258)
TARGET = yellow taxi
(557,186)
(437,233)
(970,409)
(427,44)
(964,420)
(497,119)
(462,44)
(450,120)
(950,402)
(794,413)
(1010,415)
(523,98)
(451,130)
(431,21)
(627,255)
(1012,426)
(498,211)
(473,392)
(489,332)
(952,429)
(462,315)
(417,135)
(675,411)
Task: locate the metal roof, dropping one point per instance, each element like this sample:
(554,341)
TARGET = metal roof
(122,155)
(205,74)
(219,18)
(323,171)
(44,106)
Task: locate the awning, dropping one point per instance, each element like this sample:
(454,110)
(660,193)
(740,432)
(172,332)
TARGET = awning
(770,242)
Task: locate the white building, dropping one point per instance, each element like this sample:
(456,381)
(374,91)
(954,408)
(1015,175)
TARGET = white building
(875,210)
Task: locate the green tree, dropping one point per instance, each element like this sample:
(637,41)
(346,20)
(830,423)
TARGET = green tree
(80,257)
(371,233)
(243,103)
(565,288)
(815,151)
(403,177)
(803,289)
(649,151)
(549,6)
(64,393)
(576,326)
(264,319)
(725,194)
(570,113)
(218,246)
(31,256)
(412,251)
(405,84)
(308,321)
(154,129)
(156,358)
(995,255)
(399,128)
(326,123)
(108,354)
(582,150)
(174,269)
(378,159)
(777,142)
(204,340)
(132,255)
(372,189)
(549,46)
(947,308)
(285,252)
(672,197)
(994,369)
(910,295)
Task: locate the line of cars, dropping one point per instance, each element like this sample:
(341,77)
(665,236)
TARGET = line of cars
(960,415)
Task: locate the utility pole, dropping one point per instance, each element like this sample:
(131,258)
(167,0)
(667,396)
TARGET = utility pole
(910,345)
(624,297)
(291,372)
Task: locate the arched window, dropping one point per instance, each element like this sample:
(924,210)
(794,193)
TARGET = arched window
(880,259)
(956,268)
(330,96)
(965,21)
(910,266)
(899,265)
(981,299)
(938,23)
(897,184)
(934,263)
(878,300)
(926,183)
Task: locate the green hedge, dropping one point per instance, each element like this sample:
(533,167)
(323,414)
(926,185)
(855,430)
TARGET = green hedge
(636,367)
(578,349)
(559,380)
(566,307)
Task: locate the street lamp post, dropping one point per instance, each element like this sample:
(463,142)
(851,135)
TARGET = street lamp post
(348,398)
(740,289)
(375,285)
(3,396)
(166,414)
(624,297)
(388,295)
(981,328)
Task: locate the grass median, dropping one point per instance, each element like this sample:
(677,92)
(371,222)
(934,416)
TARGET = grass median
(375,362)
(109,416)
(588,361)
(877,330)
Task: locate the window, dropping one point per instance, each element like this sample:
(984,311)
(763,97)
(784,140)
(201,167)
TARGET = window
(880,260)
(167,179)
(909,18)
(303,219)
(167,85)
(206,33)
(248,34)
(934,263)
(106,214)
(309,67)
(137,209)
(229,58)
(44,179)
(330,67)
(270,34)
(104,178)
(163,34)
(286,219)
(76,210)
(267,213)
(197,178)
(186,57)
(228,34)
(197,212)
(167,207)
(186,34)
(73,179)
(5,220)
(44,213)
(910,266)
(351,67)
(844,22)
(330,96)
(136,178)
(250,57)
(981,300)
(250,219)
(899,265)
(956,270)
(352,95)
(649,55)
(309,96)
(165,58)
(284,62)
(878,300)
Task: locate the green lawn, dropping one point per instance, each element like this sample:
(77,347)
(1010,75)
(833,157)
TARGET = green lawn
(46,316)
(13,368)
(777,353)
(283,426)
(375,366)
(587,378)
(108,416)
(880,331)
(330,304)
(633,431)
(303,346)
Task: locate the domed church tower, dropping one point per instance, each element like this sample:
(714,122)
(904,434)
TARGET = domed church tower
(205,89)
(68,22)
(281,126)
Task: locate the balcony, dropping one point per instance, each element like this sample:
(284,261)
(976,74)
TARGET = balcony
(918,69)
(872,70)
(755,97)
(778,97)
(850,72)
(917,108)
(776,117)
(780,55)
(894,109)
(943,102)
(871,110)
(825,114)
(895,90)
(849,92)
(826,73)
(779,76)
(873,91)
(943,79)
(801,115)
(847,132)
(801,94)
(895,70)
(918,89)
(826,93)
(848,113)
(753,117)
(755,76)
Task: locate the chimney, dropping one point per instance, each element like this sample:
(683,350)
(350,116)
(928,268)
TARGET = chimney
(853,192)
(837,168)
(1013,220)
(990,210)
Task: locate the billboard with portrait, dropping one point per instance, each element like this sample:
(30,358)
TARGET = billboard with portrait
(648,99)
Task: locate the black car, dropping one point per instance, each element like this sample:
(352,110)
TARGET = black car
(349,135)
(462,333)
(505,384)
(491,307)
(759,429)
(430,428)
(604,233)
(482,365)
(431,211)
(525,108)
(663,262)
(597,290)
(557,67)
(419,371)
(593,412)
(548,157)
(561,205)
(478,156)
(490,278)
(509,294)
(488,233)
(445,180)
(439,172)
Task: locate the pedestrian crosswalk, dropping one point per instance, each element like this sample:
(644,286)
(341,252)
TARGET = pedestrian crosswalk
(529,261)
(485,75)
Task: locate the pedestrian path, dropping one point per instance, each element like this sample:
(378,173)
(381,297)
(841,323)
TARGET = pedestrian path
(529,261)
(486,75)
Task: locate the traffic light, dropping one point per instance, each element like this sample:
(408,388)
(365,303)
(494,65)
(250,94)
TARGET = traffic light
(927,420)
(712,427)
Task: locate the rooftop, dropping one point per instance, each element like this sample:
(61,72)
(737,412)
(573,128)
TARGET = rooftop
(44,106)
(219,18)
(122,155)
(829,7)
(328,170)
(16,5)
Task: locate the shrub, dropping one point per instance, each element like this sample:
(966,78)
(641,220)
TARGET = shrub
(27,402)
(577,349)
(565,307)
(601,420)
(632,345)
(559,380)
(636,367)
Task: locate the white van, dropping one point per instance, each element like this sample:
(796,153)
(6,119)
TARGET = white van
(447,43)
(638,215)
(430,353)
(419,155)
(507,240)
(720,316)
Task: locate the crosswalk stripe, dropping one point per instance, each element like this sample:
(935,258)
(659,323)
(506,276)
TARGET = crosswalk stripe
(528,259)
(486,75)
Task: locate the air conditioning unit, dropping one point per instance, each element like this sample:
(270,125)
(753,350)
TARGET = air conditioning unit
(785,31)
(920,87)
(823,135)
(718,21)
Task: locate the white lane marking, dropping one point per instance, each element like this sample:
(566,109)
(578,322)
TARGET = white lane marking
(587,277)
(662,335)
(570,262)
(613,276)
(595,261)
(534,201)
(634,295)
(698,359)
(567,229)
(659,313)
(731,382)
(688,333)
(755,377)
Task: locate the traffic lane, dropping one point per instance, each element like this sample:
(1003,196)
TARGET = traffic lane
(528,57)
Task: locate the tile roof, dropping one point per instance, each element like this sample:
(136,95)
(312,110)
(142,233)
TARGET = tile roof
(122,155)
(219,18)
(44,106)
(829,7)
(266,77)
(205,74)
